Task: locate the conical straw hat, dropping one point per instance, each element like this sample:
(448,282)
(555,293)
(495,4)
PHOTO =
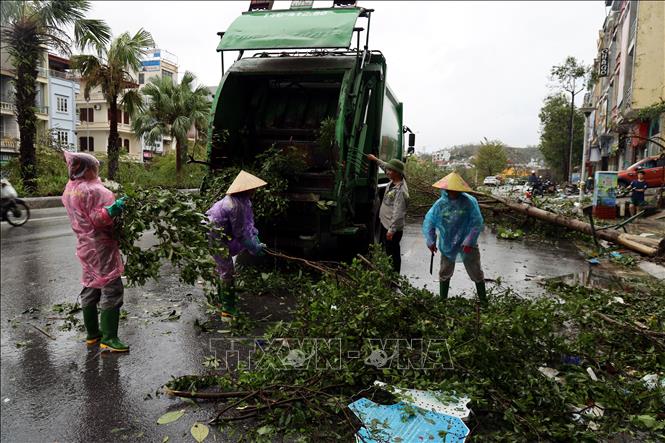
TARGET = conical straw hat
(453,182)
(244,182)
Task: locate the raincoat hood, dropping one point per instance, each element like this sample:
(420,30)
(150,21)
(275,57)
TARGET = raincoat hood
(82,166)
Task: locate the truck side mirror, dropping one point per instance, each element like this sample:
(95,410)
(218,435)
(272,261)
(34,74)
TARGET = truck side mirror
(412,141)
(411,150)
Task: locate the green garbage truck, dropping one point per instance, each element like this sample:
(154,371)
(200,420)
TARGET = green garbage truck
(303,81)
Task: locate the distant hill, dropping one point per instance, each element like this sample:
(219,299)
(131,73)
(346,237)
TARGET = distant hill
(515,155)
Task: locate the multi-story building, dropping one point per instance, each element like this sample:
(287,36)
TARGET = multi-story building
(9,133)
(441,156)
(629,75)
(63,86)
(94,115)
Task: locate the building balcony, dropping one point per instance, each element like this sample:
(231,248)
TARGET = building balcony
(7,107)
(41,111)
(9,143)
(92,126)
(64,75)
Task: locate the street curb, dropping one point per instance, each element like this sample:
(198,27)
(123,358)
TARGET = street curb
(56,200)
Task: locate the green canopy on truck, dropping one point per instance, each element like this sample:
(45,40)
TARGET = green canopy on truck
(291,29)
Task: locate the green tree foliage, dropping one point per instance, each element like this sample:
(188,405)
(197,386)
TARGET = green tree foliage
(110,69)
(569,77)
(27,28)
(554,146)
(173,109)
(491,158)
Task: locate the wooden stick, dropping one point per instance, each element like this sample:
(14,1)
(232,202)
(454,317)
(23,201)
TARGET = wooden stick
(648,332)
(204,395)
(43,331)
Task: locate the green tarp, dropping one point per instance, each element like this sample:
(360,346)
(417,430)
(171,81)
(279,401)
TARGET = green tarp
(313,28)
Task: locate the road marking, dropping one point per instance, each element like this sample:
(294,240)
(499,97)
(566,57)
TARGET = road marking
(57,217)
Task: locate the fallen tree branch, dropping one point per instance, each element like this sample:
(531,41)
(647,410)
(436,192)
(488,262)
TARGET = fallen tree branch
(204,395)
(632,242)
(654,335)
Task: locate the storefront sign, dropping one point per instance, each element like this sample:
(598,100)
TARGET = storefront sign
(604,192)
(604,65)
(302,4)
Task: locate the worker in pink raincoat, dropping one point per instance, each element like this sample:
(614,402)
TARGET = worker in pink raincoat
(234,215)
(91,209)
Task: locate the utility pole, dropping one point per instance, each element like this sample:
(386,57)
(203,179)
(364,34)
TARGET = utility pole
(571,128)
(587,110)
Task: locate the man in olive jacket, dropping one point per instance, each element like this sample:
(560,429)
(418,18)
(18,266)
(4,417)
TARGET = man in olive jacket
(393,209)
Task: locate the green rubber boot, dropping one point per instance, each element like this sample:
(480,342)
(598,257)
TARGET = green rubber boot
(444,286)
(482,293)
(91,323)
(226,295)
(109,319)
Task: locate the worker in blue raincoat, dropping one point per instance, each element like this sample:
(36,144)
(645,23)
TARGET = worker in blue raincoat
(456,220)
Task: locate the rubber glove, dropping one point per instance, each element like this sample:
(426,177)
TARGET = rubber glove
(117,207)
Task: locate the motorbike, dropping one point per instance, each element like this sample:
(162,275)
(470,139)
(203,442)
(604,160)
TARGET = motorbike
(15,212)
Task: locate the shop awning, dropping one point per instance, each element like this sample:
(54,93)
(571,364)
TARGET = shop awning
(291,29)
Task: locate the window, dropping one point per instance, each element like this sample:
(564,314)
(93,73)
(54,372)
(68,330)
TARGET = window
(141,78)
(125,145)
(125,119)
(62,137)
(61,103)
(87,115)
(167,74)
(86,144)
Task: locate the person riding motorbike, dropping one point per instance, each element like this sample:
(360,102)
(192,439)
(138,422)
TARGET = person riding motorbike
(8,193)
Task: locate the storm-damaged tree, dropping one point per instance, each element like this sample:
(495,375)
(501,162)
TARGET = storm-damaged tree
(570,77)
(111,70)
(28,29)
(173,109)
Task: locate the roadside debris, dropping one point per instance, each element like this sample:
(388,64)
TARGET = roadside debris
(546,343)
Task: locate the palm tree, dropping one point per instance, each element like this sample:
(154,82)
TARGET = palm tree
(111,70)
(172,110)
(28,27)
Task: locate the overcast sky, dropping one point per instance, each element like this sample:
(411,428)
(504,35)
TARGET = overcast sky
(464,70)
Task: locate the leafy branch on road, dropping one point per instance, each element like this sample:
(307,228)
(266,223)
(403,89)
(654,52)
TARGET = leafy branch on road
(494,356)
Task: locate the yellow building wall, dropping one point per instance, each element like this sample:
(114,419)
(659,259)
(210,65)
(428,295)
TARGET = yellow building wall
(649,69)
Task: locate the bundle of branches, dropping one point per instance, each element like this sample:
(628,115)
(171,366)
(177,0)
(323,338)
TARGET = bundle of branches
(178,223)
(343,337)
(180,233)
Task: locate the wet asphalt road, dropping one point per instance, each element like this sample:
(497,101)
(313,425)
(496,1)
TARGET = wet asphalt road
(57,390)
(520,264)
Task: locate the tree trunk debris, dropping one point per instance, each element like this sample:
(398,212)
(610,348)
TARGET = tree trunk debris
(645,246)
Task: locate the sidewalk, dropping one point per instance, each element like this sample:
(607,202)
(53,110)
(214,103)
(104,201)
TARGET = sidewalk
(56,200)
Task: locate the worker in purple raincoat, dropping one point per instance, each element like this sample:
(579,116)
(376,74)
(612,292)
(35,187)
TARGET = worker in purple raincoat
(234,215)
